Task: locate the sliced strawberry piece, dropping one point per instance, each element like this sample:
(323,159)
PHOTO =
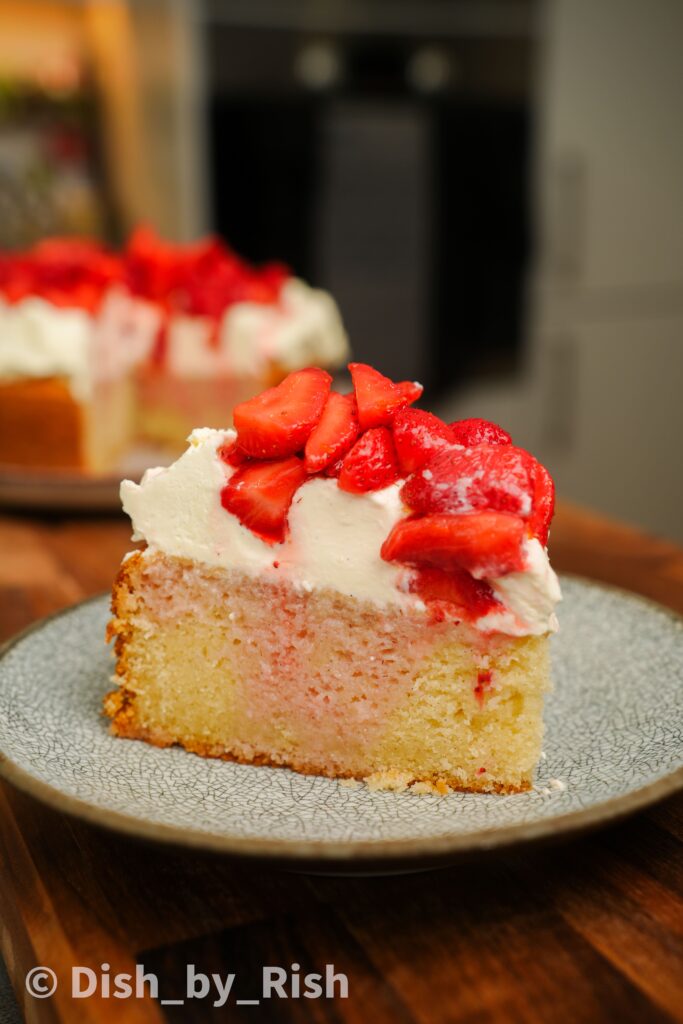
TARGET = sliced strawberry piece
(418,436)
(334,433)
(543,504)
(475,431)
(486,544)
(497,477)
(232,454)
(411,390)
(371,463)
(377,397)
(260,493)
(469,598)
(279,420)
(335,468)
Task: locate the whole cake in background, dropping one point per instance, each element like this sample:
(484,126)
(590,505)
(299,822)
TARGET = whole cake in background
(71,335)
(344,585)
(116,349)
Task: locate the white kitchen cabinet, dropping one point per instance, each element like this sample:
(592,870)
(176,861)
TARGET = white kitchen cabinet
(605,364)
(612,418)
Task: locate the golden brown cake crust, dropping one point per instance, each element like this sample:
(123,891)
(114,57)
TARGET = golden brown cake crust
(27,407)
(120,706)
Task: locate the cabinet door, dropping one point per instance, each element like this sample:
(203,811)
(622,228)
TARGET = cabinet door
(613,418)
(610,144)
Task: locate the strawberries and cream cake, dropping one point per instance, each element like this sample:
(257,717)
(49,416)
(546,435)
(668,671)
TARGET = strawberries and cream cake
(344,585)
(113,349)
(71,335)
(229,329)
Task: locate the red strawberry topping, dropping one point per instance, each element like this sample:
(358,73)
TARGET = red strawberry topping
(543,505)
(334,433)
(334,469)
(67,272)
(458,480)
(260,493)
(232,454)
(418,435)
(410,389)
(377,397)
(475,496)
(371,463)
(483,685)
(455,592)
(475,431)
(201,278)
(279,420)
(484,543)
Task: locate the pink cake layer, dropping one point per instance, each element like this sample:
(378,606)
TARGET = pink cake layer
(233,666)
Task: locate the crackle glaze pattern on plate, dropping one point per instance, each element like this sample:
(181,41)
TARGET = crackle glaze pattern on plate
(614,740)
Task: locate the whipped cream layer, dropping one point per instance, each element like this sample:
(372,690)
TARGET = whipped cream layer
(40,340)
(303,328)
(334,538)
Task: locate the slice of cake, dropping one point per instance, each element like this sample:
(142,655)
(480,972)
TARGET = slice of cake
(229,329)
(70,337)
(343,585)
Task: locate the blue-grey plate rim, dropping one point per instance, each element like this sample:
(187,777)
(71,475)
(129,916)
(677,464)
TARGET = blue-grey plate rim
(369,853)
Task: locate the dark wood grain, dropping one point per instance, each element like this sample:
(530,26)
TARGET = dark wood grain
(588,931)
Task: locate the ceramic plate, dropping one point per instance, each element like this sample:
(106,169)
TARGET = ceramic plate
(613,744)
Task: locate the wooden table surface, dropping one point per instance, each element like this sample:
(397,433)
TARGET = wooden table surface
(588,931)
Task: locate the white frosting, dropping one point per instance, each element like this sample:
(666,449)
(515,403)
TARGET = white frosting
(125,331)
(302,329)
(311,331)
(190,350)
(334,538)
(38,339)
(529,597)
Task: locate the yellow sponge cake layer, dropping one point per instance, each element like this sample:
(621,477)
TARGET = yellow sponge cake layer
(238,667)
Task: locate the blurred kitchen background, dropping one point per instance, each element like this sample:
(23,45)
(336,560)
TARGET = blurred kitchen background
(492,189)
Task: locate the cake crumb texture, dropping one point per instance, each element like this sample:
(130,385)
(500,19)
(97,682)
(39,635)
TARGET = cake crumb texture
(89,436)
(252,670)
